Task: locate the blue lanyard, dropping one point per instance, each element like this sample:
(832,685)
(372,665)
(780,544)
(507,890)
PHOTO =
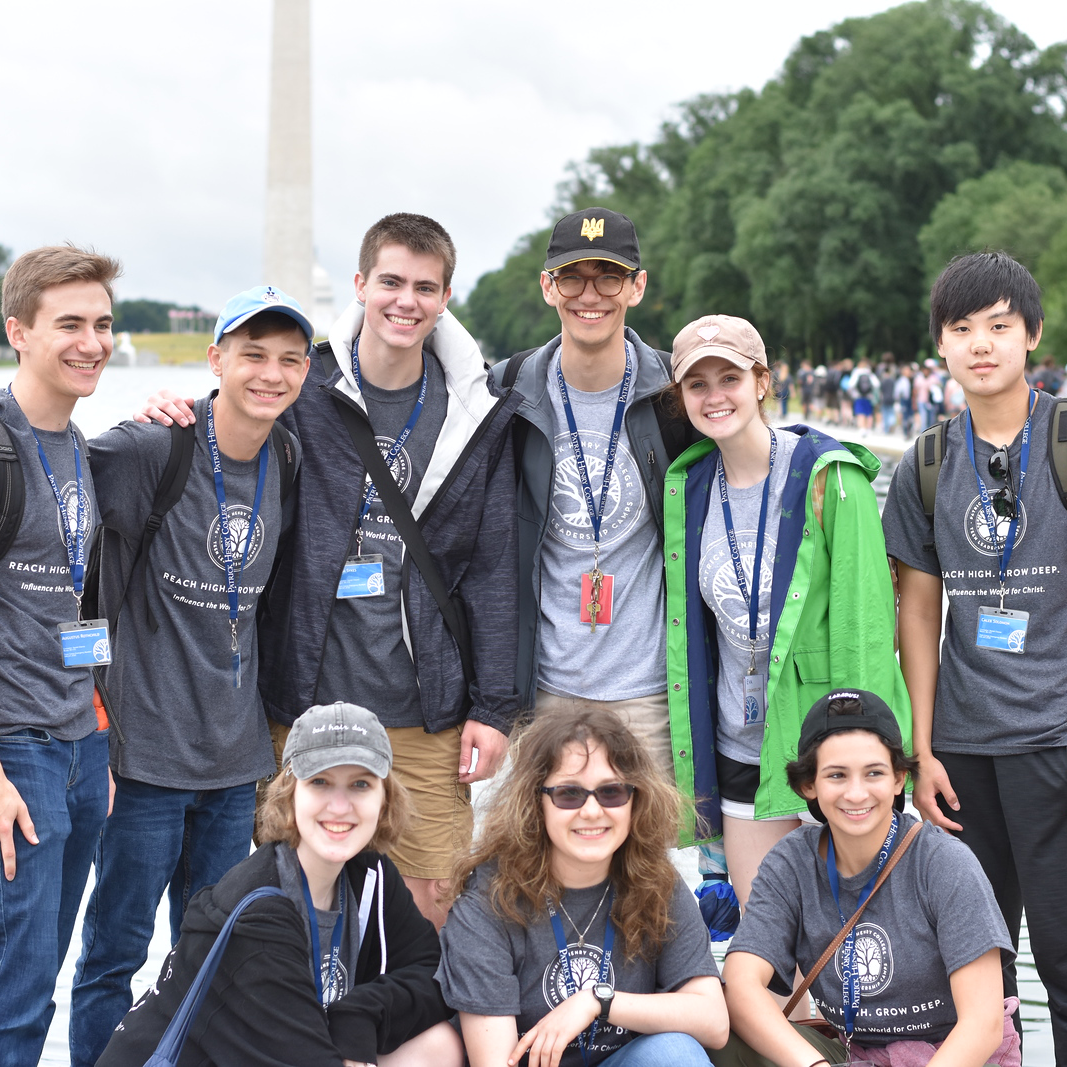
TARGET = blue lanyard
(75,543)
(397,445)
(850,989)
(751,600)
(596,511)
(224,531)
(584,1039)
(335,940)
(1003,550)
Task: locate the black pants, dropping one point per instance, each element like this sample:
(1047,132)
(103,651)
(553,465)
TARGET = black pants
(1013,810)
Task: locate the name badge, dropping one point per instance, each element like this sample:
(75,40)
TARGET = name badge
(85,643)
(603,613)
(1002,630)
(362,576)
(755,699)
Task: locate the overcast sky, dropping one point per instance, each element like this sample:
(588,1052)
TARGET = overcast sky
(140,127)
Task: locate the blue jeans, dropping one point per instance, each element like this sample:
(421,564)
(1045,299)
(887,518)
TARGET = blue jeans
(659,1050)
(155,836)
(64,785)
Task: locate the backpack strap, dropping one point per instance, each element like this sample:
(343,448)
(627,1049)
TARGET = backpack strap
(283,449)
(929,455)
(1057,447)
(12,491)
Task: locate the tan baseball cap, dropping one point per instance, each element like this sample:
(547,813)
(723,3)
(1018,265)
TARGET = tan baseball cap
(717,335)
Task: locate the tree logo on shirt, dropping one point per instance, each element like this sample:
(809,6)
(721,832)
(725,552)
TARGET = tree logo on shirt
(873,959)
(585,967)
(569,521)
(979,534)
(717,574)
(239,516)
(400,468)
(69,495)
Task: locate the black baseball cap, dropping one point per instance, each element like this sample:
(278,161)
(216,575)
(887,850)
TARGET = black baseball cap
(875,716)
(593,233)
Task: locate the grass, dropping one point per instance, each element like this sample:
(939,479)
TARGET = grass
(174,347)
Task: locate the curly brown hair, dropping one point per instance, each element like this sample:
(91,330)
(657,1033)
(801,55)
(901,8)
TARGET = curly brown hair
(514,841)
(276,819)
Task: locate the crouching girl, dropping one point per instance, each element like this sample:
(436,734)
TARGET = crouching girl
(339,969)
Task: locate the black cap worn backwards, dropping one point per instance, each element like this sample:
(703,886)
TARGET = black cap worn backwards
(875,716)
(594,233)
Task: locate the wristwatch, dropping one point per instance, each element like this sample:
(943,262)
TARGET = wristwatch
(605,993)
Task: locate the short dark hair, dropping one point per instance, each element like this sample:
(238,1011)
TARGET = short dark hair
(417,233)
(40,269)
(802,771)
(265,324)
(980,280)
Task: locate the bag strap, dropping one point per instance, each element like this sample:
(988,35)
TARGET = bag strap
(847,928)
(12,491)
(362,434)
(170,1044)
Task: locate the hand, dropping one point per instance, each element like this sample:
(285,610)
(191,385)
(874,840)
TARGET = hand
(491,744)
(110,792)
(549,1036)
(166,407)
(12,810)
(933,779)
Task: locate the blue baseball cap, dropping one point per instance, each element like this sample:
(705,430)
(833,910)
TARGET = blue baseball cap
(240,308)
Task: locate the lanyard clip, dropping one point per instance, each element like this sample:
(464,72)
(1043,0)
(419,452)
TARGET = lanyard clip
(233,635)
(752,658)
(1001,596)
(78,601)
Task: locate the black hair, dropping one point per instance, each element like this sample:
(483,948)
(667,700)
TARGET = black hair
(980,280)
(801,772)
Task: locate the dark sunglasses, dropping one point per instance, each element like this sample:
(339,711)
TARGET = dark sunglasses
(1004,500)
(572,797)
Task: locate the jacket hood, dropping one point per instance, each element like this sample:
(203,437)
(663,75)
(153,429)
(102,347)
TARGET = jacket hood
(466,376)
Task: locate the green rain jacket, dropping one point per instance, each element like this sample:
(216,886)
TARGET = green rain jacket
(832,615)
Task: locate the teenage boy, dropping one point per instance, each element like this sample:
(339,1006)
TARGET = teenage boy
(53,748)
(588,506)
(990,713)
(194,737)
(350,614)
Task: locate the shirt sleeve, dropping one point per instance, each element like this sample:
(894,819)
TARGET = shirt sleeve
(478,972)
(906,526)
(959,903)
(126,470)
(686,953)
(770,926)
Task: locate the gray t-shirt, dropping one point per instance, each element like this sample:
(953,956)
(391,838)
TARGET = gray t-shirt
(366,657)
(492,967)
(37,593)
(627,658)
(988,702)
(719,587)
(934,914)
(186,725)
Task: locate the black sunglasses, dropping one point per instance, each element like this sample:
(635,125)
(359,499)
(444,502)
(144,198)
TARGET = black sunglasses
(1004,500)
(572,797)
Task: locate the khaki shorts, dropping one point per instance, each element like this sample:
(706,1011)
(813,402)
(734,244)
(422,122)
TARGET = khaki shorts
(428,764)
(647,717)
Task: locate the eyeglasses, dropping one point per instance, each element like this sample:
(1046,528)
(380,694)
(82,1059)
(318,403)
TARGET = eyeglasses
(1004,500)
(572,285)
(571,797)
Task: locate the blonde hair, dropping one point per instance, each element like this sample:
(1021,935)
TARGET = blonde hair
(513,838)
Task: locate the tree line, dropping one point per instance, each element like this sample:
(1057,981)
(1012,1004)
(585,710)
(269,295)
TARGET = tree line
(822,206)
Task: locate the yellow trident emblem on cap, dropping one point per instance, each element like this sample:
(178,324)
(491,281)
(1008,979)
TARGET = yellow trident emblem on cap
(592,228)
